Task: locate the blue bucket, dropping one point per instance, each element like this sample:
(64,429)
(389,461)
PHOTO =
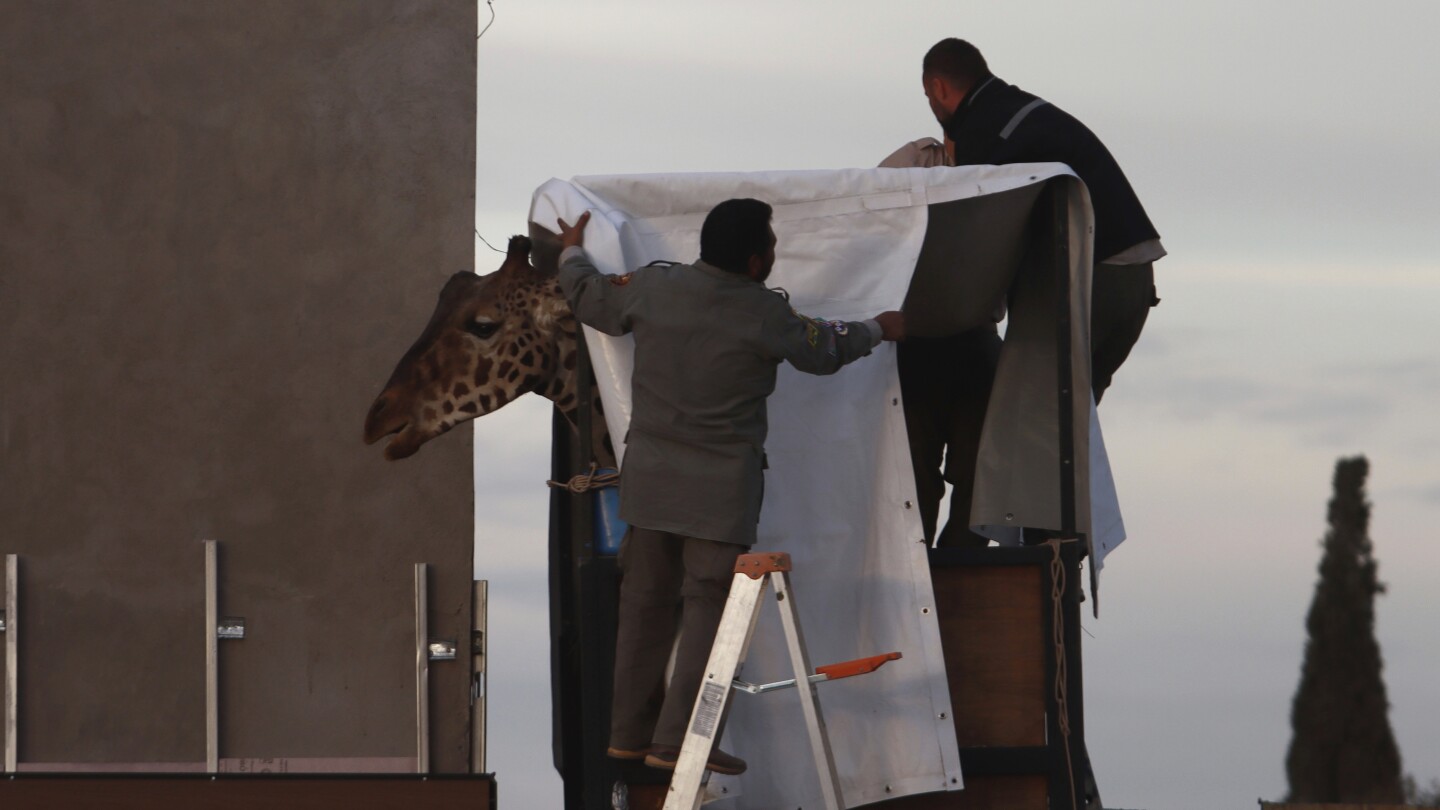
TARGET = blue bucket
(609,528)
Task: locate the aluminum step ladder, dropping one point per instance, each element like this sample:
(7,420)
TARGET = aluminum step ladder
(753,572)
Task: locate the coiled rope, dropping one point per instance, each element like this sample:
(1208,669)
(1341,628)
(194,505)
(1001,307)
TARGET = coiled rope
(1057,625)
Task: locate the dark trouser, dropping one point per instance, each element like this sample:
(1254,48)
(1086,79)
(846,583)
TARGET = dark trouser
(1120,301)
(660,571)
(946,385)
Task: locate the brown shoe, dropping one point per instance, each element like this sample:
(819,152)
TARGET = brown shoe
(720,762)
(627,753)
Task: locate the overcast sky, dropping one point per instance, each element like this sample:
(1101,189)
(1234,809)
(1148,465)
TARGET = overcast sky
(1286,151)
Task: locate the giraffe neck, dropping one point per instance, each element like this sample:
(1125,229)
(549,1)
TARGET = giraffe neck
(563,388)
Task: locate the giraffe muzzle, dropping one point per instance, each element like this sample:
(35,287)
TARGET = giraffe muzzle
(385,420)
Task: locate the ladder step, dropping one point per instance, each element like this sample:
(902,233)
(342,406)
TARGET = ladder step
(761,563)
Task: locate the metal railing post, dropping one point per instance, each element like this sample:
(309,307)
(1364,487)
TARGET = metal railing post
(212,658)
(422,670)
(479,611)
(12,662)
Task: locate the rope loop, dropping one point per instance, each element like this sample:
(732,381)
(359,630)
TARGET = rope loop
(584,482)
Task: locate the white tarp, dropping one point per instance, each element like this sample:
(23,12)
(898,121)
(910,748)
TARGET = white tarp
(839,492)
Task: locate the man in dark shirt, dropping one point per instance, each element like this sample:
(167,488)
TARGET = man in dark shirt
(987,121)
(990,122)
(946,381)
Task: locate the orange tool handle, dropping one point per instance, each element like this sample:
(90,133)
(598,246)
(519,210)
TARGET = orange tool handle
(859,666)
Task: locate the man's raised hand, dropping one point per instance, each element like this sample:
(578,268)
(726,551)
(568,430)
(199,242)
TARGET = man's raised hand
(573,235)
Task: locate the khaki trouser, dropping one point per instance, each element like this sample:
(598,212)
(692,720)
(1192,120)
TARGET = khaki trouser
(1120,300)
(666,580)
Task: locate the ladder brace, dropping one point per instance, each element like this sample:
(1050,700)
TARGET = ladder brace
(829,672)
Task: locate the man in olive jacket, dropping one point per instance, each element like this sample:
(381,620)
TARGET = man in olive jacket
(708,340)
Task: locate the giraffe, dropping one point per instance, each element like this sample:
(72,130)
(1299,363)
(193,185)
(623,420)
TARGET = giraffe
(491,339)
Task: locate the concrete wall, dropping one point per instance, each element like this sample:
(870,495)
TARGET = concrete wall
(220,225)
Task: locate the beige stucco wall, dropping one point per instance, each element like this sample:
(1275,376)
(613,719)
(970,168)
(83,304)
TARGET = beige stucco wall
(220,225)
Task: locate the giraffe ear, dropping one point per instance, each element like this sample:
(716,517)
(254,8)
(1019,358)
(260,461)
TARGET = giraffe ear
(545,255)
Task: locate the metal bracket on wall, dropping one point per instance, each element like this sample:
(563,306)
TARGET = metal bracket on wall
(231,628)
(11,626)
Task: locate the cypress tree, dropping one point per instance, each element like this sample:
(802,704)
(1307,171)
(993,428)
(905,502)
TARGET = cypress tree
(1342,749)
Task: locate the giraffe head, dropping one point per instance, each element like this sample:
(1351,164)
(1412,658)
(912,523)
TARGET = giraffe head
(490,339)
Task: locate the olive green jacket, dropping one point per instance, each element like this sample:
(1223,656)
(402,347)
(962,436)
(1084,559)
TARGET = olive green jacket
(707,345)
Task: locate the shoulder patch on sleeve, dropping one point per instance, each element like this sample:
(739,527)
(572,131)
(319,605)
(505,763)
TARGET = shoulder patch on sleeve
(817,328)
(812,331)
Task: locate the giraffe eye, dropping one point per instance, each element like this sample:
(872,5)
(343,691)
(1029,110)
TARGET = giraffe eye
(482,329)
